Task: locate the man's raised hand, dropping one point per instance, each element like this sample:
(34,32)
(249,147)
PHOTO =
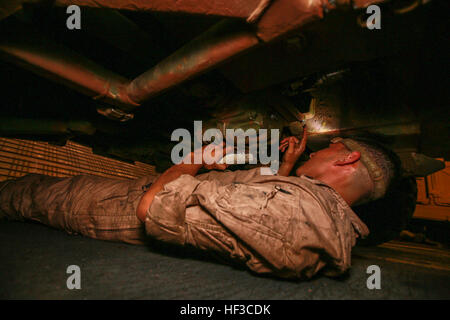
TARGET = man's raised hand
(293,148)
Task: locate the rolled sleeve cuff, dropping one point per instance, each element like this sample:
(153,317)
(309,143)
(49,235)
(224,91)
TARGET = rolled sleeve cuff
(165,218)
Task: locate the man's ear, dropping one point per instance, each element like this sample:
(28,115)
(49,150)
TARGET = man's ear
(351,158)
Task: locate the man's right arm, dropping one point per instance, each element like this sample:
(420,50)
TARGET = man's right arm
(169,175)
(176,171)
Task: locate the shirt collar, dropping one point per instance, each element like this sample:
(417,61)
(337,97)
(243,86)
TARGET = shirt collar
(357,223)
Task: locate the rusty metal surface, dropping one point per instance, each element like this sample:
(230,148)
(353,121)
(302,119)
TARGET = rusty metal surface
(225,8)
(63,65)
(286,15)
(316,46)
(356,4)
(224,40)
(419,165)
(339,111)
(219,44)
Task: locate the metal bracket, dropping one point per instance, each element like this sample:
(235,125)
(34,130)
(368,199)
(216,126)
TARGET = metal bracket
(115,114)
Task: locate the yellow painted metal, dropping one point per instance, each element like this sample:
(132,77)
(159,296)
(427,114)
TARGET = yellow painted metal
(20,157)
(433,201)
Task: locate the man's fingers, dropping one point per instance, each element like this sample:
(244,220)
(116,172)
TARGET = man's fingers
(291,146)
(287,140)
(304,138)
(283,146)
(291,142)
(295,140)
(284,142)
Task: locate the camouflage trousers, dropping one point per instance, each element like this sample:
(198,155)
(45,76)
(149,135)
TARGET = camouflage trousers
(97,207)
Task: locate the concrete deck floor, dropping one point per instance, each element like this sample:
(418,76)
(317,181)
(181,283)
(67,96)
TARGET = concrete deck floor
(34,259)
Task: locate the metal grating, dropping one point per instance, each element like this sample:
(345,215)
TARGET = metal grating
(20,157)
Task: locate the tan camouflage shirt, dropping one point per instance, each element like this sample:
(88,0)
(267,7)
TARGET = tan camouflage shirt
(291,227)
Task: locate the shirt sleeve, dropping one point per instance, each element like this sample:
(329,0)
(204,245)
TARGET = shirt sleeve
(260,221)
(165,218)
(227,177)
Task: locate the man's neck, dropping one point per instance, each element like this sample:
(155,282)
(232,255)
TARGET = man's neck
(342,186)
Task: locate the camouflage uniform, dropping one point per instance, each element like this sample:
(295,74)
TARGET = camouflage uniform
(288,226)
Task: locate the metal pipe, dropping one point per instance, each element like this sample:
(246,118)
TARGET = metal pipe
(61,64)
(221,42)
(56,62)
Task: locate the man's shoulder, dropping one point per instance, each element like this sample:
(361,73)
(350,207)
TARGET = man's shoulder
(302,182)
(321,198)
(229,176)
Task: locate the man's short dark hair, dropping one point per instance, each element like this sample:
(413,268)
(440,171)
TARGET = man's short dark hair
(381,164)
(386,159)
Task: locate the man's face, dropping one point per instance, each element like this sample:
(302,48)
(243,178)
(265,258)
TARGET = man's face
(322,160)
